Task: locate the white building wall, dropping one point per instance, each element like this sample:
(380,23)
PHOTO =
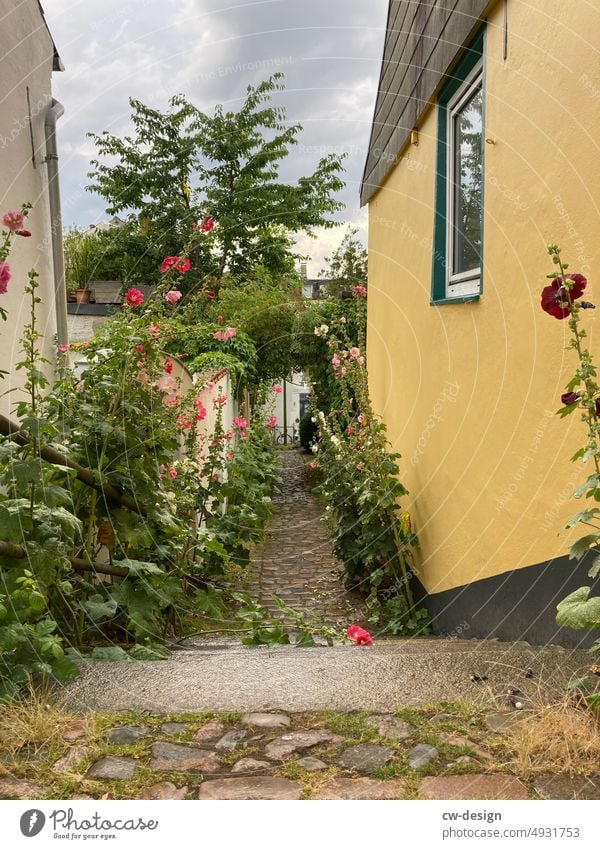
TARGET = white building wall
(26,58)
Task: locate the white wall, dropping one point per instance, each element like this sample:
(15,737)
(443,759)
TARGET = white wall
(26,56)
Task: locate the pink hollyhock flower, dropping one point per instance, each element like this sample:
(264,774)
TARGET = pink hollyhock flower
(277,389)
(173,473)
(359,292)
(154,330)
(224,335)
(172,400)
(312,464)
(134,298)
(79,387)
(168,367)
(139,349)
(200,410)
(25,233)
(13,221)
(173,296)
(166,384)
(359,635)
(229,457)
(350,430)
(63,348)
(344,371)
(360,419)
(85,344)
(239,422)
(272,421)
(220,319)
(243,434)
(219,401)
(354,352)
(183,423)
(335,362)
(4,277)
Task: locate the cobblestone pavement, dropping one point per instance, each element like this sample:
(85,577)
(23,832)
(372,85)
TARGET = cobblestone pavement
(296,562)
(443,752)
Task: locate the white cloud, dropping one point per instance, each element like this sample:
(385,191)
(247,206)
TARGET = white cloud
(211,50)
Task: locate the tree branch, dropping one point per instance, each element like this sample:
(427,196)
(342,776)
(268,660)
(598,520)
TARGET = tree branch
(9,549)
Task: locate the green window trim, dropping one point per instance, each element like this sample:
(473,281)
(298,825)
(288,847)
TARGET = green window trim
(439,289)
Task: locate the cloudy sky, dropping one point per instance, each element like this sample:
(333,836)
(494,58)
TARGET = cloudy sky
(210,50)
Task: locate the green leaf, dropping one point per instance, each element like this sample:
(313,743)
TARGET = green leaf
(149,652)
(583,545)
(578,611)
(583,516)
(595,568)
(112,653)
(98,608)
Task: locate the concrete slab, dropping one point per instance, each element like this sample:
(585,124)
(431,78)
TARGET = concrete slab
(226,676)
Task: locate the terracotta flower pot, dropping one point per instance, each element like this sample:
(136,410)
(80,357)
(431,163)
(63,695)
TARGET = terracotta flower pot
(82,296)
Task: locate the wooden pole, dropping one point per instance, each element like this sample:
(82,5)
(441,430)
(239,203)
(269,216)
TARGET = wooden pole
(9,549)
(86,476)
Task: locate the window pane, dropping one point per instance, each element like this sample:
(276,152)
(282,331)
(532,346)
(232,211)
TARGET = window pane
(468,185)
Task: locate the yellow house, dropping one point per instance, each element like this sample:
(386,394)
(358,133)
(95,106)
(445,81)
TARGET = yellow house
(484,149)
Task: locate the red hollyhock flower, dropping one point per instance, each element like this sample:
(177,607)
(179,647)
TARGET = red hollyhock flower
(555,298)
(207,224)
(25,233)
(134,298)
(181,265)
(359,635)
(569,398)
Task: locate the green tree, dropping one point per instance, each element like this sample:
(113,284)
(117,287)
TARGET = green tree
(180,166)
(347,266)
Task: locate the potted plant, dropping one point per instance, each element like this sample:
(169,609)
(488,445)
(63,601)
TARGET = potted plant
(81,258)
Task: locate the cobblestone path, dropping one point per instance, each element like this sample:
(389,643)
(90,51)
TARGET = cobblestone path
(296,562)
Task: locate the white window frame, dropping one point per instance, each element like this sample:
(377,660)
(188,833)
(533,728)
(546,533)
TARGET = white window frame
(467,282)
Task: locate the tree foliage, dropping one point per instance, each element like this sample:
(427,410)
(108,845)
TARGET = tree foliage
(181,165)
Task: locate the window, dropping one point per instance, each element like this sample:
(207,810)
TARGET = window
(458,227)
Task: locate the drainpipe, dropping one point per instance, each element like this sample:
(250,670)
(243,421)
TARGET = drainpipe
(55,111)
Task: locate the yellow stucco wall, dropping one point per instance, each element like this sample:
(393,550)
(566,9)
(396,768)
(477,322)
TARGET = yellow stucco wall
(469,391)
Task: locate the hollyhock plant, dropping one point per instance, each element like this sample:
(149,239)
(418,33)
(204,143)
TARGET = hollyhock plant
(134,298)
(579,609)
(13,221)
(564,289)
(4,277)
(172,297)
(359,635)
